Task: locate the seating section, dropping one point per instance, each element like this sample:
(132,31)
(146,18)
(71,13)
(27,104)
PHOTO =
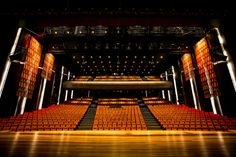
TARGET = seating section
(55,117)
(79,101)
(181,117)
(118,115)
(151,78)
(83,78)
(118,78)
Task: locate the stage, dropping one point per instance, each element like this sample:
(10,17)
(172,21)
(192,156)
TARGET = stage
(118,143)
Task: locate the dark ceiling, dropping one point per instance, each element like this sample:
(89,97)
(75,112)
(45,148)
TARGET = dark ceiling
(122,50)
(117,36)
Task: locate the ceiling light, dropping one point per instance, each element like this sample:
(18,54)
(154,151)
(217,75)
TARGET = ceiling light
(74,57)
(100,56)
(161,57)
(144,56)
(152,56)
(91,56)
(77,62)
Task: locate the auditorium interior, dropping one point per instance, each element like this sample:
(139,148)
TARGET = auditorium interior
(117,78)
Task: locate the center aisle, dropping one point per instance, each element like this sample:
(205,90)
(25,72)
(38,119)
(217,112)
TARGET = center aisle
(88,119)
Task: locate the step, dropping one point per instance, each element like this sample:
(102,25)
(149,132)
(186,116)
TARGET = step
(151,122)
(88,119)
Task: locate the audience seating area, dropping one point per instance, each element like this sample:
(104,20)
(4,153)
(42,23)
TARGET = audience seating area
(180,117)
(83,78)
(55,117)
(118,78)
(118,115)
(151,78)
(79,101)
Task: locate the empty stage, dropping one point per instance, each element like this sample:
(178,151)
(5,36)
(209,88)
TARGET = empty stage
(118,143)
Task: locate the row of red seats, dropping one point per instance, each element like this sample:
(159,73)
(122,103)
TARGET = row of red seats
(124,117)
(55,117)
(181,117)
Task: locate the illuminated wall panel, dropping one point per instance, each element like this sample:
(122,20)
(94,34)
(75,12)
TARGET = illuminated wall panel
(206,69)
(187,66)
(30,68)
(48,66)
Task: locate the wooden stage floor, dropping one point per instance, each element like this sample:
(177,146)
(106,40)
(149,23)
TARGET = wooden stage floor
(118,143)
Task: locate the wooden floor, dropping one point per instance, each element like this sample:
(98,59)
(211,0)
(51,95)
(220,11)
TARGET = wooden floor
(118,143)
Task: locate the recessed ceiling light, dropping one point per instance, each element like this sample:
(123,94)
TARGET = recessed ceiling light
(108,56)
(152,56)
(135,56)
(126,57)
(157,62)
(161,57)
(100,56)
(77,62)
(74,57)
(144,56)
(91,56)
